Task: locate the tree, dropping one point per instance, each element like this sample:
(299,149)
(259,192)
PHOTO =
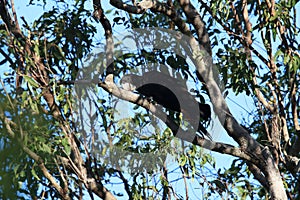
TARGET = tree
(57,92)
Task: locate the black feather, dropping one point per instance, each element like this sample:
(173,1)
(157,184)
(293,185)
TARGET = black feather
(168,92)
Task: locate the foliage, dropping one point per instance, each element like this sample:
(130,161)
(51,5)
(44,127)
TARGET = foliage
(63,137)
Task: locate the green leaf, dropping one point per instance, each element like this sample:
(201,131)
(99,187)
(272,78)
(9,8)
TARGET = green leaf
(33,172)
(66,146)
(31,81)
(182,160)
(47,148)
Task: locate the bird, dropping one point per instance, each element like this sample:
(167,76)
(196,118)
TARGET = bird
(170,93)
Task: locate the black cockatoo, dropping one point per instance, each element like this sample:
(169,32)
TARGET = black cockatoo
(171,94)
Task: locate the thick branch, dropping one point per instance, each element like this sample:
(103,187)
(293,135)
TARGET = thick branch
(234,129)
(99,15)
(197,140)
(204,65)
(172,14)
(294,106)
(258,175)
(194,17)
(126,184)
(10,24)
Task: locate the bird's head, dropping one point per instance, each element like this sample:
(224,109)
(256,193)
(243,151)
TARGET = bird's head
(130,82)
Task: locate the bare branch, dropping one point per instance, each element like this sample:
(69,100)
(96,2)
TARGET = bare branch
(194,18)
(99,15)
(10,23)
(7,57)
(248,24)
(126,184)
(63,177)
(129,8)
(166,189)
(258,175)
(15,14)
(83,170)
(236,17)
(293,164)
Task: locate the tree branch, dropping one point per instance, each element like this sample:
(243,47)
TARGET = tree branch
(204,65)
(242,39)
(126,7)
(126,185)
(197,140)
(6,56)
(46,173)
(258,175)
(34,156)
(99,15)
(12,26)
(172,14)
(83,171)
(194,17)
